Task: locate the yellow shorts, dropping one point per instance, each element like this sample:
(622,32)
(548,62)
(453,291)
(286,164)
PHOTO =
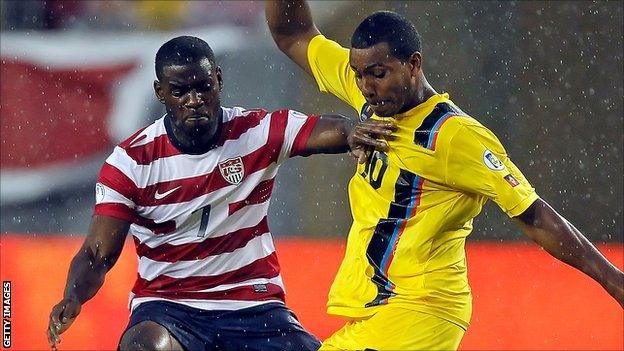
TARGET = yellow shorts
(396,328)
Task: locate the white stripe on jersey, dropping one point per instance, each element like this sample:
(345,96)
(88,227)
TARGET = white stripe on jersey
(110,195)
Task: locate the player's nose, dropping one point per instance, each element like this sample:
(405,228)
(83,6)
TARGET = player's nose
(194,100)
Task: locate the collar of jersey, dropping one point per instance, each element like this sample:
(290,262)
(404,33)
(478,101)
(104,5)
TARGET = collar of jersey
(427,105)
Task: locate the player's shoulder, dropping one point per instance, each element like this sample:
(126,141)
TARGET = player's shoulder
(143,147)
(144,135)
(467,132)
(441,122)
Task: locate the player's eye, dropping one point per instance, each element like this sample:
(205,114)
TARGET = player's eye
(379,74)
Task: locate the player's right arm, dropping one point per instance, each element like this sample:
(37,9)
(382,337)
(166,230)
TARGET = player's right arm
(96,257)
(292,29)
(325,60)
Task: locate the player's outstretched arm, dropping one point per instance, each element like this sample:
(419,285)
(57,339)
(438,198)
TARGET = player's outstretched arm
(292,29)
(562,240)
(337,134)
(98,254)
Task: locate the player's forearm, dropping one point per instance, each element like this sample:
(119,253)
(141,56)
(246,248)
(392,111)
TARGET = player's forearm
(86,276)
(330,135)
(288,18)
(563,241)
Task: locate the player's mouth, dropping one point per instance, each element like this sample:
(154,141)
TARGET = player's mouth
(197,118)
(377,103)
(380,106)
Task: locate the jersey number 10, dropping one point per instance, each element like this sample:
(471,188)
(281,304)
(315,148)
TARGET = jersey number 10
(375,168)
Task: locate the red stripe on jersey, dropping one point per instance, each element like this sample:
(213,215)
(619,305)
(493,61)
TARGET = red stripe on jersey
(209,247)
(266,267)
(236,127)
(115,179)
(115,210)
(256,292)
(277,131)
(261,193)
(301,141)
(121,211)
(157,228)
(158,148)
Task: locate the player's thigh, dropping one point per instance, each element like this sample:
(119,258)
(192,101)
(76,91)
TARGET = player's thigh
(164,325)
(148,335)
(395,328)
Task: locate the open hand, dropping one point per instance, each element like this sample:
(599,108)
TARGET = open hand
(370,133)
(61,317)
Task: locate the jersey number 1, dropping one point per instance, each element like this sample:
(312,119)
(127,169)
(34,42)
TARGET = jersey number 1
(203,225)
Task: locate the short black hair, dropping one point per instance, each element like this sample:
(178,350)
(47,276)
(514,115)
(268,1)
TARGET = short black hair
(388,27)
(181,51)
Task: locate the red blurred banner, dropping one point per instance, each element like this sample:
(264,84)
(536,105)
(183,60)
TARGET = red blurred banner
(67,99)
(523,298)
(54,115)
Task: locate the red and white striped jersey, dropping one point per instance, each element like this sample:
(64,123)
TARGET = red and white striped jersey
(199,221)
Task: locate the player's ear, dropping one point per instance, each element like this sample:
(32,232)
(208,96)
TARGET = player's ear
(219,78)
(415,61)
(159,91)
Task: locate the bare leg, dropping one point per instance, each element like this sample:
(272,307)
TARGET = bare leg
(148,336)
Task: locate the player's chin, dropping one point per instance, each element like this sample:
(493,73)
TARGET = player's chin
(385,110)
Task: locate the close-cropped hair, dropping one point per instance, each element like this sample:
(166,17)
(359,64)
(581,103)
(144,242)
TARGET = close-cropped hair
(388,27)
(182,51)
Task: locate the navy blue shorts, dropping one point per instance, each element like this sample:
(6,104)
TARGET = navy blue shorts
(271,326)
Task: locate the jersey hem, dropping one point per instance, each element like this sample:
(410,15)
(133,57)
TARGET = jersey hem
(137,301)
(349,312)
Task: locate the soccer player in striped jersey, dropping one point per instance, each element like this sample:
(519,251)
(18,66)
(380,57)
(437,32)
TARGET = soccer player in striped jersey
(402,284)
(193,190)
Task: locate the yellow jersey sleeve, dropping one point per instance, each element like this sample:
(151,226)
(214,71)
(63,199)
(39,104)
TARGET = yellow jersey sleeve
(478,163)
(329,63)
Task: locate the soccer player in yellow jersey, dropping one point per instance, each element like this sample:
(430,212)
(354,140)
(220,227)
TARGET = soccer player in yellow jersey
(402,284)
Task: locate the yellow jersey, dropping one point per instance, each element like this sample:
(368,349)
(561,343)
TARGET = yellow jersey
(413,205)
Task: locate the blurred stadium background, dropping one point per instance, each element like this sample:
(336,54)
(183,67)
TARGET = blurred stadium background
(546,77)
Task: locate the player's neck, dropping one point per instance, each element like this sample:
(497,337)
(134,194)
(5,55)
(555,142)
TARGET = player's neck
(193,144)
(422,93)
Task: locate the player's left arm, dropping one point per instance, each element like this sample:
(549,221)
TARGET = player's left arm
(561,239)
(337,134)
(478,164)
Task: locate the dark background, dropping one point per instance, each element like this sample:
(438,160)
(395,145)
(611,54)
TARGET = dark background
(546,77)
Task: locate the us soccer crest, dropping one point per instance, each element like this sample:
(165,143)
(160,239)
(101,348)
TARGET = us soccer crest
(232,170)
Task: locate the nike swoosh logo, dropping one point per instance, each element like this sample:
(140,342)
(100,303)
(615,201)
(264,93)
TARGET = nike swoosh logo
(159,196)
